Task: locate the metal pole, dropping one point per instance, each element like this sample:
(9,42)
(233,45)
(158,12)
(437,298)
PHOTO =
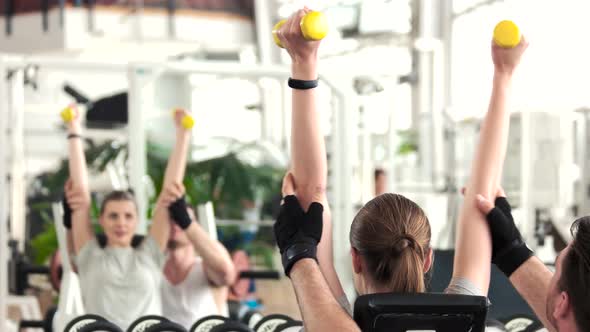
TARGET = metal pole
(527,224)
(171,6)
(137,144)
(138,19)
(3,206)
(16,103)
(344,137)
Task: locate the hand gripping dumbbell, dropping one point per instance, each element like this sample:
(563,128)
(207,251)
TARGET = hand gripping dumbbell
(187,121)
(314,26)
(507,34)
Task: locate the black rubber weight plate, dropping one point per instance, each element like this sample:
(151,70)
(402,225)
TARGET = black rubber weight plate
(166,327)
(292,326)
(518,324)
(205,324)
(77,323)
(271,322)
(251,318)
(100,325)
(142,323)
(230,326)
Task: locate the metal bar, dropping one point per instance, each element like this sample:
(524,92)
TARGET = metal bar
(475,7)
(8,15)
(62,240)
(4,249)
(260,275)
(171,7)
(138,18)
(16,103)
(62,8)
(221,68)
(60,64)
(206,218)
(235,222)
(137,143)
(45,15)
(91,24)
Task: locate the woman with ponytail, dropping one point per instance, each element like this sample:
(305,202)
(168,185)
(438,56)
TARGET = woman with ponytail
(390,236)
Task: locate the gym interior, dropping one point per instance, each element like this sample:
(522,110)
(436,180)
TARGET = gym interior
(402,91)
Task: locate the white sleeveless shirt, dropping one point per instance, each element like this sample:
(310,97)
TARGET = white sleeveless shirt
(191,299)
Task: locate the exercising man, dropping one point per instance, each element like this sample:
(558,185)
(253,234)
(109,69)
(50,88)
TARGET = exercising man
(198,269)
(559,299)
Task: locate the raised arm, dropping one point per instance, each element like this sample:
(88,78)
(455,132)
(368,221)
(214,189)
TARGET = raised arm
(173,177)
(527,273)
(308,150)
(77,187)
(298,233)
(473,235)
(217,262)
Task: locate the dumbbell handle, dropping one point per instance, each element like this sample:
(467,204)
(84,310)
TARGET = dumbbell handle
(35,269)
(31,323)
(270,274)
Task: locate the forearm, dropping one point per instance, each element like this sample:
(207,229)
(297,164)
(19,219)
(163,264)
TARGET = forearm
(77,160)
(326,257)
(177,161)
(218,263)
(82,230)
(491,150)
(473,234)
(160,228)
(70,241)
(532,280)
(320,310)
(308,151)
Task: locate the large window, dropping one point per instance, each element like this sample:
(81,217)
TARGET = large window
(554,76)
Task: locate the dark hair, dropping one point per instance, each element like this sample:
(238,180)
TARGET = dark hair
(379,172)
(117,195)
(392,234)
(575,271)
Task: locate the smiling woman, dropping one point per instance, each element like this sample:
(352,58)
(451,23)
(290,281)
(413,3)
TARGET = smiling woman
(120,281)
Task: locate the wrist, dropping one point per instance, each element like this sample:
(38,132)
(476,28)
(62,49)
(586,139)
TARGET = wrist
(74,128)
(513,258)
(182,133)
(306,70)
(296,252)
(503,75)
(302,266)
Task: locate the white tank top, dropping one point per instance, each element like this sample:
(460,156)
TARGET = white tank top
(190,300)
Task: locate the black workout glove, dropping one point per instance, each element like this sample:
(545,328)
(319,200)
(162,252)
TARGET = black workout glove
(67,213)
(509,251)
(179,214)
(297,232)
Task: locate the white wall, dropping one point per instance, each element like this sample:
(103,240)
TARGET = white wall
(195,29)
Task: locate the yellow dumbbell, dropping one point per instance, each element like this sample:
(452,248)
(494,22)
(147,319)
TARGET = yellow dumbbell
(187,121)
(507,34)
(68,114)
(314,26)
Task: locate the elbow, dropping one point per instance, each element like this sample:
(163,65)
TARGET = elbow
(226,276)
(229,275)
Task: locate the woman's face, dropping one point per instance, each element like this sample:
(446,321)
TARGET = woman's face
(119,221)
